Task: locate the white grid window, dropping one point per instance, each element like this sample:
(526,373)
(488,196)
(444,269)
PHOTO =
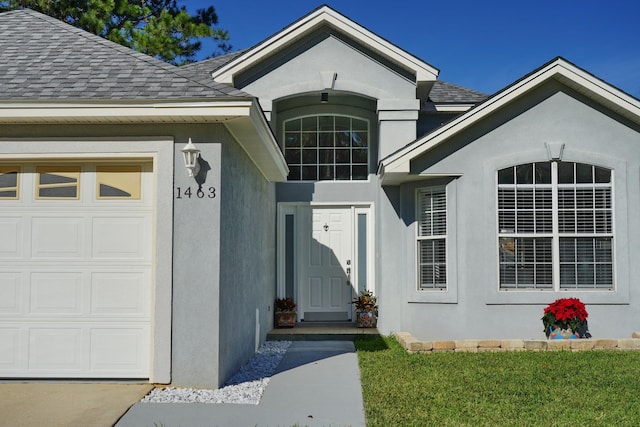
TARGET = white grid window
(320,148)
(432,235)
(555,226)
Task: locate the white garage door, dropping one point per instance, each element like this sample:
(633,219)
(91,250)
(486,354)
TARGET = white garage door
(75,269)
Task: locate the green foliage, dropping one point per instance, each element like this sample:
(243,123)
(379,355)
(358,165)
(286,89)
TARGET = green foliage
(559,388)
(159,28)
(365,301)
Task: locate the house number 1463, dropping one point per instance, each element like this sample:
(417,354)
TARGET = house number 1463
(200,193)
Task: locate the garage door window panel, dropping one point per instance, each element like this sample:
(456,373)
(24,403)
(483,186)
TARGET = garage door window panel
(58,182)
(118,182)
(9,182)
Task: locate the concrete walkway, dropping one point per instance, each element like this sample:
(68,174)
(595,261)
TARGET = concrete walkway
(57,404)
(317,384)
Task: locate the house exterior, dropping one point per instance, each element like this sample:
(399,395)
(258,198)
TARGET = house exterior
(331,161)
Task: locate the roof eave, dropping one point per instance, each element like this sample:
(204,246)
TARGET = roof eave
(242,117)
(397,165)
(114,111)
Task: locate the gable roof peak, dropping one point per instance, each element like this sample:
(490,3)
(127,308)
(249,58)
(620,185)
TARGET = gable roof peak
(395,168)
(326,16)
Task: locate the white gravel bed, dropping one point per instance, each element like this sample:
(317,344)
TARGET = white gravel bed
(246,386)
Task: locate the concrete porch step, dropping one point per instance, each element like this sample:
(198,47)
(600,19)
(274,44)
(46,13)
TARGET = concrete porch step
(320,331)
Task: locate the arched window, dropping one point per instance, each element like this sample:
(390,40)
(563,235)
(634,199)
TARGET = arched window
(327,147)
(555,226)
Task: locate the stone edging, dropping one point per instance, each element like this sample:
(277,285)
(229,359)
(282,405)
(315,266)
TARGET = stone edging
(413,345)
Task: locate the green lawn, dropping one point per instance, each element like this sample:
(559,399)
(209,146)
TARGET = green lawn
(560,388)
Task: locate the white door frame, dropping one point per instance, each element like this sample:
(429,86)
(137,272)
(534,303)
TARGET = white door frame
(285,209)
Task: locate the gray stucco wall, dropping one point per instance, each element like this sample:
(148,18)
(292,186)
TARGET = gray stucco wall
(479,309)
(300,70)
(247,259)
(196,273)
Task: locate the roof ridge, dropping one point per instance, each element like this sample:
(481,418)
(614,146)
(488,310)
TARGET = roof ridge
(220,58)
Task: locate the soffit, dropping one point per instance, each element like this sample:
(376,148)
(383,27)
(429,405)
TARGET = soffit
(243,118)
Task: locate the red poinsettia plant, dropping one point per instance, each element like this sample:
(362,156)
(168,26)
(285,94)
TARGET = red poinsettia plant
(566,313)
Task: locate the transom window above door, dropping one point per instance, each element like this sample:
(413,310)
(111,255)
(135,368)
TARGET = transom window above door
(325,148)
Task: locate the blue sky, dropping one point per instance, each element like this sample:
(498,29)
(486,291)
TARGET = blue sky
(480,44)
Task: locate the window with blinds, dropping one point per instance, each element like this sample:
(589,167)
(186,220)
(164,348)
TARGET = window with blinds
(432,234)
(555,226)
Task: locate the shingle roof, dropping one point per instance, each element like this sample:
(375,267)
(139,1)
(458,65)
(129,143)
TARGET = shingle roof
(204,68)
(447,93)
(43,58)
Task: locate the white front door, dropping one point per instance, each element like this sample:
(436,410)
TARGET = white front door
(326,264)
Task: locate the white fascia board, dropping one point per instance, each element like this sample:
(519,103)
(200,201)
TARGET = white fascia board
(424,72)
(106,112)
(452,108)
(602,92)
(255,137)
(243,118)
(584,82)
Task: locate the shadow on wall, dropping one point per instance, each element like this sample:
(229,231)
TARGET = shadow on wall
(205,167)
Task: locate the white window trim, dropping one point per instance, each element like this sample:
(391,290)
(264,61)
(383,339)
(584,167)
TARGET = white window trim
(621,262)
(334,180)
(556,235)
(449,295)
(431,237)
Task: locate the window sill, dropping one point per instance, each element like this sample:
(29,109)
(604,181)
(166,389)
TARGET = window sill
(445,296)
(545,297)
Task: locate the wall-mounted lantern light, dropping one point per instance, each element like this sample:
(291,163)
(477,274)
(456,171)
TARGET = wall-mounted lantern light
(191,154)
(324,97)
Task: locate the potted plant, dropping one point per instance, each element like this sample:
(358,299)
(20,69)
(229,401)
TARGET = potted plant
(285,312)
(366,310)
(566,318)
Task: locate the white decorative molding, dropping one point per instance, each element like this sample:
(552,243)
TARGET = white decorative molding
(554,150)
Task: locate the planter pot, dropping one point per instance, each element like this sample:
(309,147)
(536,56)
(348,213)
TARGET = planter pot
(366,319)
(285,319)
(555,333)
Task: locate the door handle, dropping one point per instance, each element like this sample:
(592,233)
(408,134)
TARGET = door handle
(348,273)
